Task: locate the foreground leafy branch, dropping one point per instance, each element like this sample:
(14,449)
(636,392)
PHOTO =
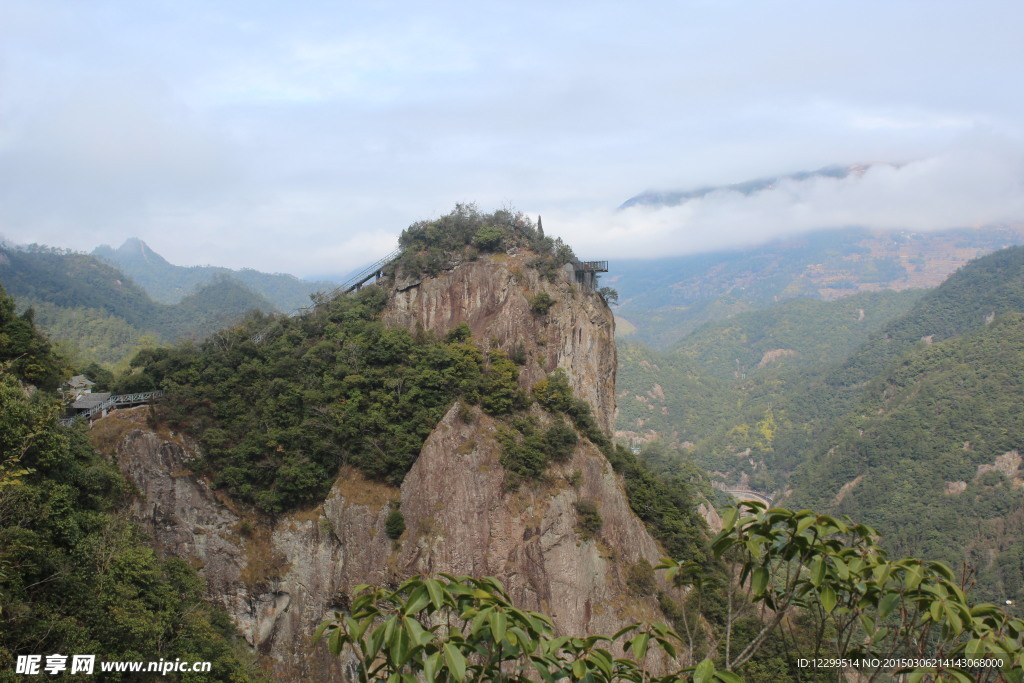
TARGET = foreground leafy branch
(467,629)
(864,606)
(823,580)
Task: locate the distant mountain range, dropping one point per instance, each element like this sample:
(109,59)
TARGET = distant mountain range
(101,314)
(662,300)
(169,283)
(749,187)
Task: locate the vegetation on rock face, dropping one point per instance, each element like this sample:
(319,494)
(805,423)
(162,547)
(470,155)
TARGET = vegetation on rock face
(799,585)
(431,246)
(394,525)
(278,418)
(75,575)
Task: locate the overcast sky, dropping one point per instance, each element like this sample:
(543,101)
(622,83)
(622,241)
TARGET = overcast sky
(303,137)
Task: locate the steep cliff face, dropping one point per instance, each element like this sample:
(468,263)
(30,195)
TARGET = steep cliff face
(280,580)
(493,296)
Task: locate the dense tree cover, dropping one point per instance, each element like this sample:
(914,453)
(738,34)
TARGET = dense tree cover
(990,285)
(24,351)
(86,334)
(731,385)
(76,577)
(904,428)
(822,588)
(942,415)
(465,232)
(101,315)
(170,284)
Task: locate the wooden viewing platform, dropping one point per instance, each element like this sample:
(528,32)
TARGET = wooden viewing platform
(587,272)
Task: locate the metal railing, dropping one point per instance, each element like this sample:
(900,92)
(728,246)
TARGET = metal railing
(121,400)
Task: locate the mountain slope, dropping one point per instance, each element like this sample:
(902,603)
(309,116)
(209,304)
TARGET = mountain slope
(931,456)
(726,374)
(169,283)
(82,301)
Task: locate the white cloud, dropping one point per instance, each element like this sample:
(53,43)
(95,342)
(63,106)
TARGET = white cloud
(978,181)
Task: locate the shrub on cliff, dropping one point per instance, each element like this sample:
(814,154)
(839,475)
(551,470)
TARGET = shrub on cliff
(429,246)
(394,525)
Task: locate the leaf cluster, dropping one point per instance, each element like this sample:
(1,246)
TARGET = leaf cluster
(467,629)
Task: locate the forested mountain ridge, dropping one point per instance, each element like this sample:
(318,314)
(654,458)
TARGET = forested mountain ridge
(102,314)
(170,284)
(662,300)
(927,426)
(931,456)
(725,374)
(917,432)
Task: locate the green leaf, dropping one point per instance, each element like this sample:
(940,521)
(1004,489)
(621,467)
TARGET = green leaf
(804,522)
(887,604)
(729,521)
(430,665)
(705,671)
(498,622)
(319,633)
(419,599)
(640,645)
(841,569)
(828,598)
(336,643)
(817,572)
(435,592)
(455,661)
(759,581)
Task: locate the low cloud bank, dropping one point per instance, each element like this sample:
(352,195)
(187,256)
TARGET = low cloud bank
(978,181)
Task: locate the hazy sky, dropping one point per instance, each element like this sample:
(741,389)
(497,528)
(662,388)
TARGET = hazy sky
(303,137)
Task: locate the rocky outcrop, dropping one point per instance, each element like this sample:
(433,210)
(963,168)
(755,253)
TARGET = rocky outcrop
(280,580)
(493,296)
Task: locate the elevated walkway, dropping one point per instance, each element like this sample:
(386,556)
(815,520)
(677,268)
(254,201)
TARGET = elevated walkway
(587,272)
(90,410)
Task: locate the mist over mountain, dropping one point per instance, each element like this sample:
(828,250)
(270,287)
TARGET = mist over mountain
(169,283)
(654,198)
